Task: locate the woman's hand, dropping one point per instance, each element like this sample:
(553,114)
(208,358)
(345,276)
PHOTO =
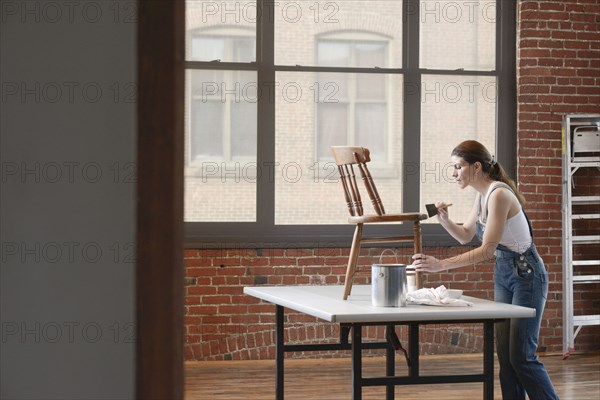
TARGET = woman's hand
(423,263)
(442,209)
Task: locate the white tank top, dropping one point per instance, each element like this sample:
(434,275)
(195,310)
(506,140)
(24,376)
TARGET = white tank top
(516,235)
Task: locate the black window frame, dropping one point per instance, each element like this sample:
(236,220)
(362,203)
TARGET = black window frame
(264,233)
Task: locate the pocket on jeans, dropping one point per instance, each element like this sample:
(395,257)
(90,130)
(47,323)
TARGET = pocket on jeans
(523,269)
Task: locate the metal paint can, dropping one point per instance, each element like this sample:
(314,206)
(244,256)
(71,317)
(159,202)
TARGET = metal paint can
(388,285)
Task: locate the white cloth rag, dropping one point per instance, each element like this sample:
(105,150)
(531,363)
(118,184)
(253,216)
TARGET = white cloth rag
(435,297)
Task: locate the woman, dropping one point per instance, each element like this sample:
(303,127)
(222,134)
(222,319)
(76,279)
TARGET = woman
(520,277)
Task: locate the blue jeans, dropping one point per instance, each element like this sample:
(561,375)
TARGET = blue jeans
(521,279)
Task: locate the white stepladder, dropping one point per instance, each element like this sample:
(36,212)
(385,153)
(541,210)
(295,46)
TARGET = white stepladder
(580,206)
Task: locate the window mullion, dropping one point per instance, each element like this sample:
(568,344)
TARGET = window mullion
(412,107)
(506,119)
(265,190)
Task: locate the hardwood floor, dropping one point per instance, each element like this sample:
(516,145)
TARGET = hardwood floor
(577,378)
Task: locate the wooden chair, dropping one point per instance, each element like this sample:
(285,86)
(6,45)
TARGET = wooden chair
(346,158)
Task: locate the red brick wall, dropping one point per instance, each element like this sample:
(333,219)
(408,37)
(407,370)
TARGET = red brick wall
(558,69)
(558,72)
(223,323)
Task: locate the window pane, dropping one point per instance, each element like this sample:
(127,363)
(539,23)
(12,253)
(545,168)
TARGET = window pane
(453,109)
(458,34)
(333,88)
(371,127)
(303,28)
(333,53)
(220,132)
(371,87)
(221,30)
(332,127)
(207,48)
(307,188)
(222,115)
(243,130)
(206,129)
(368,54)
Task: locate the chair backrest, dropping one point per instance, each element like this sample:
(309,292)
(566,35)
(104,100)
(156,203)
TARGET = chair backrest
(346,157)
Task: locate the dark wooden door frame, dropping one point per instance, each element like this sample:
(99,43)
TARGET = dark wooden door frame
(159,268)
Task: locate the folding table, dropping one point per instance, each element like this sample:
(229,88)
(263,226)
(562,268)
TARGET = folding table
(325,302)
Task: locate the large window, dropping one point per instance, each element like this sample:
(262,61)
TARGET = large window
(271,86)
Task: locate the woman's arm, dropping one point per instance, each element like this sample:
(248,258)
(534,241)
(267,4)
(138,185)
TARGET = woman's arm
(499,205)
(463,233)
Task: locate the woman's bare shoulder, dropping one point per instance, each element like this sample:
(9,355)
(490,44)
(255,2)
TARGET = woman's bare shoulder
(504,196)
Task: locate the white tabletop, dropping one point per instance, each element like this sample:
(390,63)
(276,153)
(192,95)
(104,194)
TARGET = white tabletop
(326,302)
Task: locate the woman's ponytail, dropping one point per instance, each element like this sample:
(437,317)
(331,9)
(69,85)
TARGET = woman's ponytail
(497,173)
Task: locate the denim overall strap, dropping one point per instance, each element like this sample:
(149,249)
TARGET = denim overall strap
(528,223)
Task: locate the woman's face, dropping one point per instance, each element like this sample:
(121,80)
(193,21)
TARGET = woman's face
(463,172)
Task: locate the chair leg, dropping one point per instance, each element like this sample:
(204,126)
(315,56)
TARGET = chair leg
(417,248)
(352,260)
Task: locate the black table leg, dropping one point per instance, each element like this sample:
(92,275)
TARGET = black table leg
(413,349)
(488,360)
(279,352)
(413,359)
(390,362)
(357,362)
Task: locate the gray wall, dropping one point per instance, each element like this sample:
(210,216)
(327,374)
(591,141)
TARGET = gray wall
(67,202)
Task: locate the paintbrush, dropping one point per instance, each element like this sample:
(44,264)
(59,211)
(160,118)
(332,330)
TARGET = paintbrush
(433,210)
